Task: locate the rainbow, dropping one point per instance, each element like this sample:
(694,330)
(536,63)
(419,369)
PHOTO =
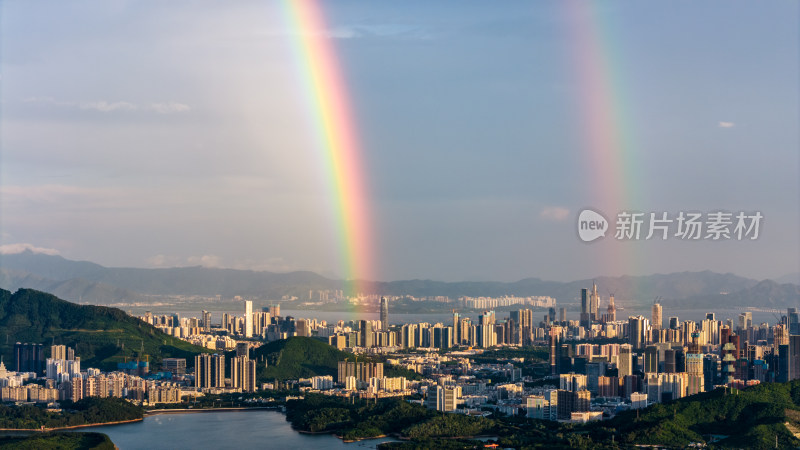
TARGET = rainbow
(607,129)
(338,140)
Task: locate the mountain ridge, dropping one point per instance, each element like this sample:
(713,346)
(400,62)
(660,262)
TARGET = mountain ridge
(90,282)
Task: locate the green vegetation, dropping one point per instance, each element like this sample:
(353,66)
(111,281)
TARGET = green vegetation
(101,336)
(60,441)
(451,425)
(438,444)
(90,410)
(530,354)
(752,418)
(304,357)
(360,419)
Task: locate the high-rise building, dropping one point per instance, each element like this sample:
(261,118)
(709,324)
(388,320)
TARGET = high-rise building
(367,334)
(585,319)
(29,358)
(384,314)
(625,361)
(243,373)
(657,318)
(206,321)
(209,370)
(444,398)
(487,335)
(612,309)
(594,303)
(794,357)
(248,319)
(177,366)
(637,326)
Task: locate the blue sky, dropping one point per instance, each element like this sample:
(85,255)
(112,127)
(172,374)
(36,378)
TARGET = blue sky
(154,134)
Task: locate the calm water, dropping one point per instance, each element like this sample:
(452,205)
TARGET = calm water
(235,430)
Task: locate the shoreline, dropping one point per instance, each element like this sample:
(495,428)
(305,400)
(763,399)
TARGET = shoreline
(157,412)
(73,427)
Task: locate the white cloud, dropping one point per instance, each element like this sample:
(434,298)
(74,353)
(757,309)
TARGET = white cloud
(726,124)
(104,106)
(167,107)
(160,261)
(13,249)
(554,213)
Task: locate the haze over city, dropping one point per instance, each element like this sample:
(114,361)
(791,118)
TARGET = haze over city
(160,134)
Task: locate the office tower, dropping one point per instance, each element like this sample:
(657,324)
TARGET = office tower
(206,321)
(637,326)
(594,303)
(612,309)
(657,316)
(694,369)
(408,334)
(555,335)
(384,314)
(551,313)
(674,323)
(275,311)
(444,398)
(248,319)
(793,321)
(585,319)
(651,359)
(746,321)
(710,316)
(625,361)
(367,334)
(209,370)
(794,357)
(487,335)
(177,366)
(515,332)
(562,315)
(302,327)
(29,358)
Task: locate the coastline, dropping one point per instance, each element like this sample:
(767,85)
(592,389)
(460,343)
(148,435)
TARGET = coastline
(73,427)
(156,412)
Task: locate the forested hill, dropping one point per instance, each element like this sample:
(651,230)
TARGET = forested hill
(101,336)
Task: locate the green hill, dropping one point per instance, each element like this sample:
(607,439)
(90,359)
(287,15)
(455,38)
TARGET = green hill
(303,357)
(101,336)
(297,357)
(750,418)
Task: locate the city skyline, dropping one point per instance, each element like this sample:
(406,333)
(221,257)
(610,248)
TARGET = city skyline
(139,134)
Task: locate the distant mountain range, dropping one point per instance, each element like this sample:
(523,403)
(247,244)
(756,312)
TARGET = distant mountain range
(84,281)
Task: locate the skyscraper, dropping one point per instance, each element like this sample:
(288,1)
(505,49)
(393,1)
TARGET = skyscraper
(636,331)
(657,316)
(594,303)
(206,321)
(585,320)
(248,319)
(384,314)
(367,334)
(612,309)
(209,371)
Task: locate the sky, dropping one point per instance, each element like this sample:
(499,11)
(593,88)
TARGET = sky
(161,134)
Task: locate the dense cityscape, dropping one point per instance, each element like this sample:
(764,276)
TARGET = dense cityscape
(592,368)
